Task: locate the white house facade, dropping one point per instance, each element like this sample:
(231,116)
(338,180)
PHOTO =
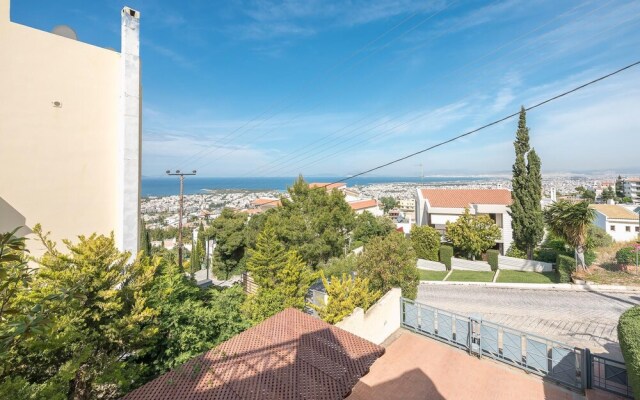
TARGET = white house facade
(618,221)
(436,207)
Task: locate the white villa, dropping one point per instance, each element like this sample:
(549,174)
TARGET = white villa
(371,205)
(618,221)
(436,207)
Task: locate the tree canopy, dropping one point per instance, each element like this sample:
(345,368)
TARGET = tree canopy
(368,226)
(389,262)
(314,222)
(426,242)
(571,222)
(228,231)
(472,234)
(525,209)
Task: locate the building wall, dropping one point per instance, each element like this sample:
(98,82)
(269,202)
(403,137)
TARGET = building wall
(379,322)
(60,160)
(631,189)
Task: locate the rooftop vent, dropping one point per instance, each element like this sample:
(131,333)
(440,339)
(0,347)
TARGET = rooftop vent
(65,31)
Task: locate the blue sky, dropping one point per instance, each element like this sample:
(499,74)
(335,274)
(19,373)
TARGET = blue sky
(277,88)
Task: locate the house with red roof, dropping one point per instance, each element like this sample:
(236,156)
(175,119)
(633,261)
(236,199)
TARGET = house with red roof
(371,205)
(436,207)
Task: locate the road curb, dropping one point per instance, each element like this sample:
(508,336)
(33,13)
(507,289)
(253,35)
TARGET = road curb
(545,286)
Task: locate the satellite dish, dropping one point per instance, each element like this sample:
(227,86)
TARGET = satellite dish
(65,31)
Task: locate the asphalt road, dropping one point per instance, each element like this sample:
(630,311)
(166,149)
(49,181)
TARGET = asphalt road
(577,318)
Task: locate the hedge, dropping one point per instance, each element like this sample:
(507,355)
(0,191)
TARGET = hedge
(446,252)
(629,337)
(492,258)
(565,266)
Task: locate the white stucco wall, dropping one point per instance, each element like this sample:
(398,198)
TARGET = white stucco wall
(379,322)
(61,160)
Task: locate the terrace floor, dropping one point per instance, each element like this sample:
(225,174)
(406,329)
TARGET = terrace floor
(414,367)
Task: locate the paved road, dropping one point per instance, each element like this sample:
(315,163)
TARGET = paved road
(577,318)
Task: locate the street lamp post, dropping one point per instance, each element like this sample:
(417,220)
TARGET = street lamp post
(181,175)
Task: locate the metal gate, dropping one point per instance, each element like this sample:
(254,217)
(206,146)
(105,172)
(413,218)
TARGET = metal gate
(553,360)
(609,375)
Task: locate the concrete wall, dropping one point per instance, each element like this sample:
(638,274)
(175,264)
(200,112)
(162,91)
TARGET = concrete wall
(379,322)
(60,124)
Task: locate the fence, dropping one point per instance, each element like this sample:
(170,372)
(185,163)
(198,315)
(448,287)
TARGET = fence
(572,367)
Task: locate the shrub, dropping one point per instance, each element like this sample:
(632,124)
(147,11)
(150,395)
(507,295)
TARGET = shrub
(426,241)
(626,256)
(446,252)
(565,266)
(589,257)
(545,255)
(515,252)
(598,237)
(492,259)
(629,337)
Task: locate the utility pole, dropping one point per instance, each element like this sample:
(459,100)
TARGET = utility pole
(181,175)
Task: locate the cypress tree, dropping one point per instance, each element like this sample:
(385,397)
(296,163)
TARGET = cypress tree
(525,209)
(145,239)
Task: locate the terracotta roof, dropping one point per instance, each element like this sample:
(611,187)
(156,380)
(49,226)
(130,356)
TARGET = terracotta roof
(266,201)
(461,198)
(291,355)
(614,211)
(362,204)
(327,185)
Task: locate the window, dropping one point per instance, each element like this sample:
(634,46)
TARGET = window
(637,229)
(628,228)
(612,227)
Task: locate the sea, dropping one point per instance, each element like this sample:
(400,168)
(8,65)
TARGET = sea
(167,186)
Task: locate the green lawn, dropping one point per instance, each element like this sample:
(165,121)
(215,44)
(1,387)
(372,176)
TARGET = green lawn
(507,276)
(431,275)
(471,276)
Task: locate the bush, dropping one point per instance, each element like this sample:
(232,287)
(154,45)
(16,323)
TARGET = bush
(589,257)
(425,241)
(629,337)
(565,266)
(492,258)
(515,252)
(626,256)
(446,252)
(545,255)
(598,237)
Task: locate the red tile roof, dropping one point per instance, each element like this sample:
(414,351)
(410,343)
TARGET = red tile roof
(291,355)
(327,185)
(266,201)
(461,198)
(362,204)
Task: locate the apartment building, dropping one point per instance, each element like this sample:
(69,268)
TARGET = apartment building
(70,132)
(631,188)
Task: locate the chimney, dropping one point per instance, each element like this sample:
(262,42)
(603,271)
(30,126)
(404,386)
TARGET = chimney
(129,136)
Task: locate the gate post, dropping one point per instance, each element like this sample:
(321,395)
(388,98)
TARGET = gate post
(586,373)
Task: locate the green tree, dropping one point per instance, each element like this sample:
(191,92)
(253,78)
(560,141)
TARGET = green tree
(472,234)
(426,242)
(268,258)
(368,226)
(571,222)
(314,222)
(101,319)
(286,287)
(340,265)
(344,295)
(619,187)
(388,203)
(525,209)
(608,194)
(145,239)
(190,320)
(228,231)
(389,262)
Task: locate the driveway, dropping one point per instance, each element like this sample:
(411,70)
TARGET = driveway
(577,318)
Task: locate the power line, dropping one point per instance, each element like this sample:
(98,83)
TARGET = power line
(490,124)
(309,81)
(200,154)
(390,129)
(288,160)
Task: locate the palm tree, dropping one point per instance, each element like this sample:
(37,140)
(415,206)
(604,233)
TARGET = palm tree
(571,221)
